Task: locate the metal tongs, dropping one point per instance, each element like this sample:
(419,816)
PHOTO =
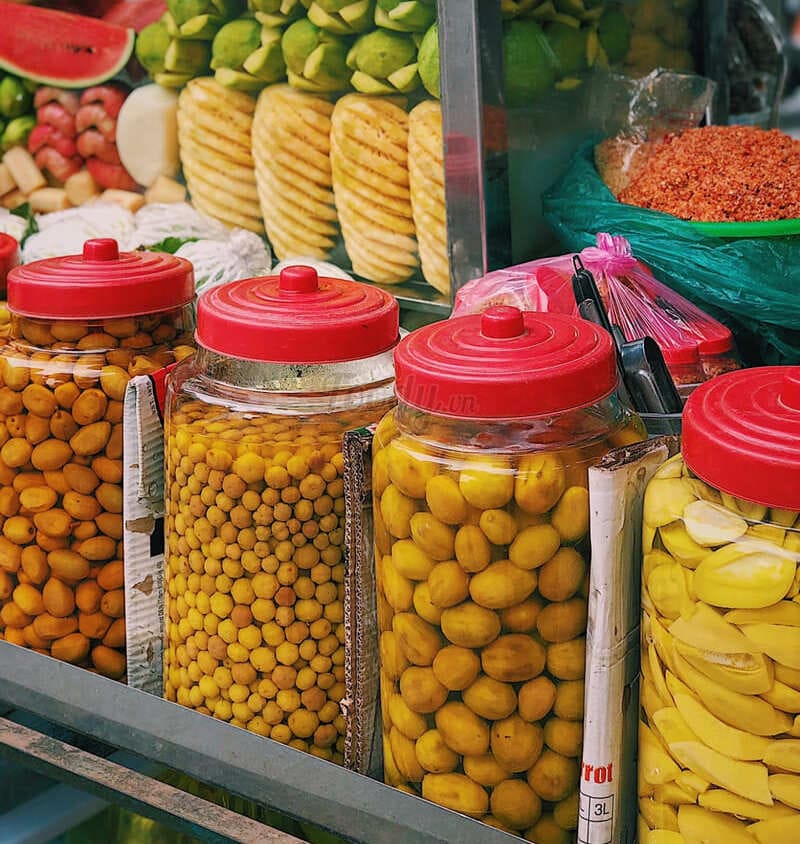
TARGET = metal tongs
(644,380)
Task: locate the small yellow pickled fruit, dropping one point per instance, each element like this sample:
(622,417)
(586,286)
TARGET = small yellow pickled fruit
(37,499)
(380,470)
(567,660)
(540,482)
(397,510)
(405,756)
(534,546)
(553,776)
(547,831)
(735,577)
(666,586)
(445,500)
(516,744)
(719,800)
(448,584)
(418,640)
(569,699)
(561,576)
(498,526)
(515,804)
(522,617)
(399,590)
(435,538)
(780,641)
(665,500)
(565,737)
(536,698)
(786,789)
(565,812)
(738,744)
(470,626)
(424,607)
(485,770)
(490,699)
(502,585)
(656,767)
(699,826)
(408,470)
(411,724)
(513,658)
(456,792)
(462,730)
(411,561)
(571,515)
(434,755)
(747,779)
(487,483)
(421,691)
(562,621)
(472,548)
(456,667)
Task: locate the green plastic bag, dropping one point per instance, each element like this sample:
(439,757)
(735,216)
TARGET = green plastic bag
(753,285)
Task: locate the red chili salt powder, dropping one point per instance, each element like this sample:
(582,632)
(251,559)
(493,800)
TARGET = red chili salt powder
(721,174)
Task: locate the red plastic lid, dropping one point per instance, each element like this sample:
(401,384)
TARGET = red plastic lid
(686,354)
(505,364)
(297,317)
(9,256)
(717,340)
(741,434)
(102,283)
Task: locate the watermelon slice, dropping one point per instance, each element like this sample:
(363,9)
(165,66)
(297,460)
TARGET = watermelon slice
(61,49)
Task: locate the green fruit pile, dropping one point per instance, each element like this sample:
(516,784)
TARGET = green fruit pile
(17,116)
(320,46)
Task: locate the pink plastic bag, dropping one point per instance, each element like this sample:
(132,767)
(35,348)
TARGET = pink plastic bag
(695,346)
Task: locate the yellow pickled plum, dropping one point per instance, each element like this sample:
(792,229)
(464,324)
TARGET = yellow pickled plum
(61,391)
(540,482)
(487,483)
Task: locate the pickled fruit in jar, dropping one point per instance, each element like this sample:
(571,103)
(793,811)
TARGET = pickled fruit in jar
(63,376)
(482,646)
(721,675)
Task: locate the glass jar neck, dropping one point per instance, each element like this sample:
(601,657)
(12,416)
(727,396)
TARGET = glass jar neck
(579,427)
(291,388)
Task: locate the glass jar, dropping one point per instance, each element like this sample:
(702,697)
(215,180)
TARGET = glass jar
(9,258)
(81,327)
(255,499)
(719,736)
(481,511)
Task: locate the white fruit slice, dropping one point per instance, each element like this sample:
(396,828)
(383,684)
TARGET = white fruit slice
(709,525)
(147,134)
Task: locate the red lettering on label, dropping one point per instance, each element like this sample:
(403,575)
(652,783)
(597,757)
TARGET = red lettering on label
(600,773)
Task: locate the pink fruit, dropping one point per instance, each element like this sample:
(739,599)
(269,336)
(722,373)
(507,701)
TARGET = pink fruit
(94,115)
(57,165)
(92,144)
(45,135)
(110,175)
(54,114)
(48,94)
(111,97)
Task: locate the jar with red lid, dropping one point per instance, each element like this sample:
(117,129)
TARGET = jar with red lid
(9,258)
(719,736)
(81,327)
(481,512)
(255,499)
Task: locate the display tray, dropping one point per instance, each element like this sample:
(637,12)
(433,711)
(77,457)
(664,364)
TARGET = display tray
(358,809)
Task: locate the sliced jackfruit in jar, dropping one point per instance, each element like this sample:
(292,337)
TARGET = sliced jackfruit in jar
(689,781)
(747,779)
(785,755)
(747,509)
(784,612)
(700,826)
(665,501)
(666,586)
(748,674)
(672,468)
(707,630)
(672,727)
(719,736)
(737,578)
(683,548)
(746,712)
(656,765)
(658,815)
(721,800)
(711,525)
(776,832)
(783,697)
(672,794)
(786,789)
(780,641)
